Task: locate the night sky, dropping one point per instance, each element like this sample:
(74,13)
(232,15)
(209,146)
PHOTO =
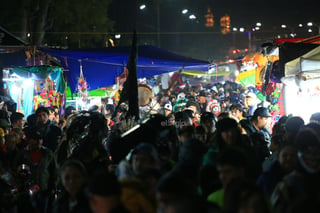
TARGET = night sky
(245,13)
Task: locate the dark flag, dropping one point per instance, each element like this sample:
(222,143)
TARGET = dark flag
(129,92)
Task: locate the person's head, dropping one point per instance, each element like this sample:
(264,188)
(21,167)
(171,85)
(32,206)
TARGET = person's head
(277,141)
(244,196)
(202,97)
(292,126)
(34,140)
(167,108)
(261,117)
(287,158)
(11,141)
(172,186)
(228,132)
(208,120)
(231,163)
(17,119)
(250,99)
(18,133)
(104,192)
(73,176)
(315,118)
(143,157)
(42,114)
(194,106)
(201,134)
(69,111)
(236,110)
(110,109)
(182,119)
(185,133)
(307,142)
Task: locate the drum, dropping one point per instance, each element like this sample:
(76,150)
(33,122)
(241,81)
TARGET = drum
(145,94)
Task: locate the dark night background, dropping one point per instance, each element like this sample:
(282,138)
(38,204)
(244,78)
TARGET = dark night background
(192,38)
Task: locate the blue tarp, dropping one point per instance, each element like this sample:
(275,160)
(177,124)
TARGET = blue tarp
(101,66)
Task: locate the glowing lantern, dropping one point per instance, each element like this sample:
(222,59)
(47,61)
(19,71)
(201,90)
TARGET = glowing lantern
(209,18)
(225,23)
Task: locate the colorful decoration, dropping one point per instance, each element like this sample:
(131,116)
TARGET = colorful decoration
(47,95)
(82,85)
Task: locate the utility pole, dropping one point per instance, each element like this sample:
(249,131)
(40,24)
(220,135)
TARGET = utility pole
(158,22)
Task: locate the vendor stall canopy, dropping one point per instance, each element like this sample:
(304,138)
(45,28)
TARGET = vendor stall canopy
(101,67)
(41,72)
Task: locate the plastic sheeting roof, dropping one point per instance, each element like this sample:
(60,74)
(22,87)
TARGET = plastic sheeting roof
(101,66)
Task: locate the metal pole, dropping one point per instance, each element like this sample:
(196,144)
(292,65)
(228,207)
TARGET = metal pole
(158,22)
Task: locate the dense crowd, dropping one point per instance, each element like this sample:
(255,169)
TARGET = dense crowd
(193,149)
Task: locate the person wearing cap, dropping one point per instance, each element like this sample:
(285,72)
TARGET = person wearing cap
(256,128)
(167,107)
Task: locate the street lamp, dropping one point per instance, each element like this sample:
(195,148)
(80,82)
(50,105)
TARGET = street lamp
(184,11)
(311,24)
(142,7)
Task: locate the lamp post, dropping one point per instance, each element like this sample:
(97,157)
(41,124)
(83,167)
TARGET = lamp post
(158,22)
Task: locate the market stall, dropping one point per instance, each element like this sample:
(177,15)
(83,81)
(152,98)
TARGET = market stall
(34,86)
(302,84)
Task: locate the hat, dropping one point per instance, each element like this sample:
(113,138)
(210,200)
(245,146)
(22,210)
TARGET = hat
(315,118)
(168,106)
(262,112)
(214,88)
(181,96)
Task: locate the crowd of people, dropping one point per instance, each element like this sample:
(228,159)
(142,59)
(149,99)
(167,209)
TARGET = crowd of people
(196,150)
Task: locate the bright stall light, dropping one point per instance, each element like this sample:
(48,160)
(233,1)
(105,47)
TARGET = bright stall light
(235,29)
(241,29)
(184,11)
(117,36)
(192,17)
(27,83)
(300,25)
(142,7)
(310,30)
(283,26)
(310,24)
(258,24)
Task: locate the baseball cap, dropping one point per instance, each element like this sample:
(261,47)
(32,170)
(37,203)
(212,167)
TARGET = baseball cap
(168,106)
(262,112)
(181,96)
